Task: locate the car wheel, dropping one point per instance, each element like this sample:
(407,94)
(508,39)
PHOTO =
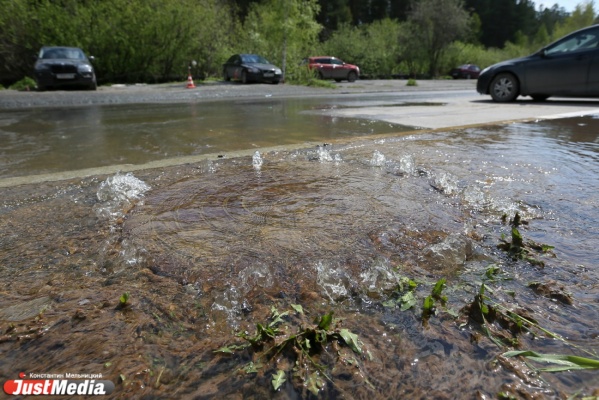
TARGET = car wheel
(244,76)
(93,86)
(275,82)
(539,97)
(505,88)
(226,76)
(352,76)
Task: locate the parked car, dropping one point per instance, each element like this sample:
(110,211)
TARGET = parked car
(466,71)
(61,67)
(568,67)
(251,68)
(333,68)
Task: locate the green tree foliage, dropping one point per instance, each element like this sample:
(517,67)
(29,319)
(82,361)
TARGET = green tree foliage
(583,15)
(156,40)
(432,26)
(282,31)
(373,47)
(132,40)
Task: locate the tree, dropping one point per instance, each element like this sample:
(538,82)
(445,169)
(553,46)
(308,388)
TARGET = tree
(282,30)
(432,26)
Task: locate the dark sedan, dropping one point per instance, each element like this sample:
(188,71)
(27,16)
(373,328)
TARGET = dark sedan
(251,68)
(62,67)
(568,67)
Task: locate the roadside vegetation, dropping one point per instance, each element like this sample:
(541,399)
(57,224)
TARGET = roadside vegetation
(135,41)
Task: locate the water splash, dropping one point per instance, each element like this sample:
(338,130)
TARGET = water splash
(331,281)
(451,253)
(118,193)
(226,307)
(258,275)
(322,154)
(379,278)
(378,159)
(257,160)
(445,183)
(405,166)
(475,197)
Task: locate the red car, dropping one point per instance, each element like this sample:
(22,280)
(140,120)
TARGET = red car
(333,68)
(466,71)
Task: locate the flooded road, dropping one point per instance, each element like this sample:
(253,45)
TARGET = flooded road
(47,140)
(363,228)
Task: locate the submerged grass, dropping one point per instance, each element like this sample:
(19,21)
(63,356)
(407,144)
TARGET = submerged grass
(289,335)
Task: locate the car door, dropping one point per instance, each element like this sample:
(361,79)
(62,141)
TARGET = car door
(325,67)
(562,68)
(234,67)
(339,72)
(593,81)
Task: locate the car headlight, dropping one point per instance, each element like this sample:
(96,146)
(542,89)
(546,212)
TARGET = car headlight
(85,69)
(278,71)
(42,67)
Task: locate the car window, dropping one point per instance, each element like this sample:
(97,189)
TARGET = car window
(336,61)
(52,54)
(322,61)
(581,41)
(254,59)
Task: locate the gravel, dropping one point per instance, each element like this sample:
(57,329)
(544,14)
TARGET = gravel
(210,91)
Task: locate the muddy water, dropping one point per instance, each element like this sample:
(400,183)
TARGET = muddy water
(207,250)
(47,140)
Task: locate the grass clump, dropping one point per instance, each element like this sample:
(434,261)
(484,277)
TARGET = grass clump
(518,249)
(412,82)
(24,84)
(288,335)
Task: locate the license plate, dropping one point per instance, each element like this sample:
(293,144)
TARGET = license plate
(65,76)
(269,74)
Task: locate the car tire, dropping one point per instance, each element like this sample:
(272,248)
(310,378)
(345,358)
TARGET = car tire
(504,88)
(226,76)
(244,76)
(352,76)
(275,82)
(539,97)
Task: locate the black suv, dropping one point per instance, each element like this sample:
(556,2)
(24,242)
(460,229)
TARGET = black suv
(60,67)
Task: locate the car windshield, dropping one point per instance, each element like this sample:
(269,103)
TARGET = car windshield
(62,53)
(581,41)
(254,59)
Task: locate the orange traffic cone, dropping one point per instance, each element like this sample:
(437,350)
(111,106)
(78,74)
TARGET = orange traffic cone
(190,84)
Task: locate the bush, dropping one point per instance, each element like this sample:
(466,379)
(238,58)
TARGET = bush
(26,83)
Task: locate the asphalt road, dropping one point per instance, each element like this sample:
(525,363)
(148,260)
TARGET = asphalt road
(459,104)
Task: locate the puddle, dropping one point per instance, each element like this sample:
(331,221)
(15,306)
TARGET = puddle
(41,141)
(209,249)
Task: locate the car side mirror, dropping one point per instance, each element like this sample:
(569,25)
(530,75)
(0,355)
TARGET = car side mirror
(91,58)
